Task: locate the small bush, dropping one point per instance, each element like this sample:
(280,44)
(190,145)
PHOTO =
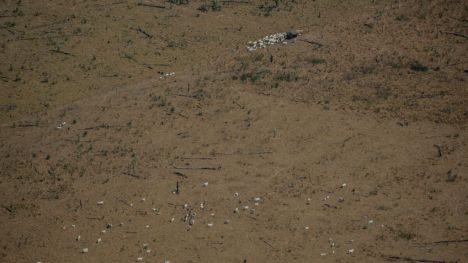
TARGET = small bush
(418,67)
(179,2)
(215,5)
(287,76)
(316,61)
(252,76)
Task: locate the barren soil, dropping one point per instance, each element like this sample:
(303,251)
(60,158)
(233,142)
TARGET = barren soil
(347,144)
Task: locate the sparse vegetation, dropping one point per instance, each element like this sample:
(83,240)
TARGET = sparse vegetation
(214,5)
(406,235)
(287,76)
(336,141)
(418,67)
(252,76)
(179,2)
(315,61)
(159,101)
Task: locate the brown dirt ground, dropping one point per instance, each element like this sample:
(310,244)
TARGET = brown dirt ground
(356,149)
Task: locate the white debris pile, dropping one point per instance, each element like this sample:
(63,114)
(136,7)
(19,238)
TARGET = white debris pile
(166,75)
(271,40)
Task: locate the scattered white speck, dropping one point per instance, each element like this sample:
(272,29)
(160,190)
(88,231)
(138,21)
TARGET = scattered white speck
(371,221)
(236,194)
(147,226)
(256,204)
(350,251)
(205,184)
(100,202)
(343,185)
(84,250)
(202,205)
(73,226)
(306,228)
(103,231)
(99,240)
(257,199)
(246,207)
(332,243)
(140,259)
(148,251)
(167,75)
(143,199)
(226,221)
(212,214)
(172,220)
(60,126)
(236,210)
(323,254)
(131,204)
(78,238)
(166,261)
(209,224)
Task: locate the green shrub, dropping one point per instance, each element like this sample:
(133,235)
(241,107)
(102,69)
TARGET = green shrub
(418,67)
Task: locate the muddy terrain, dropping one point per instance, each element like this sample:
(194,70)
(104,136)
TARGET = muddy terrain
(145,131)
